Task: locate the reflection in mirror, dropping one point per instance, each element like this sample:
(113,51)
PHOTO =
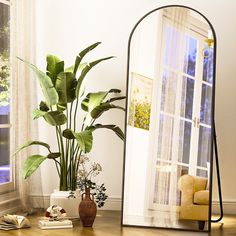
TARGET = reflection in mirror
(169,121)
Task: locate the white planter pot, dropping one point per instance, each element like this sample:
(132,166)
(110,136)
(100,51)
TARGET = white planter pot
(71,205)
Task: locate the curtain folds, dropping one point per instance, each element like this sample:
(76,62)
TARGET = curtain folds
(171,132)
(23,94)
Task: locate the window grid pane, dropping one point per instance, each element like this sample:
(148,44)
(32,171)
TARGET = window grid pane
(5,172)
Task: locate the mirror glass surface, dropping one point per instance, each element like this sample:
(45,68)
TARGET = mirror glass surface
(169,119)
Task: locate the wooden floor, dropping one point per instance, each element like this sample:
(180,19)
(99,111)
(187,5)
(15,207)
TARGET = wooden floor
(107,223)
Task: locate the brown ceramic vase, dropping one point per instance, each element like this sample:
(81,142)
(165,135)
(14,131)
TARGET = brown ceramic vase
(87,209)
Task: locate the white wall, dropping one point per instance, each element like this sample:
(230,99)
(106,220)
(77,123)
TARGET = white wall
(64,27)
(135,181)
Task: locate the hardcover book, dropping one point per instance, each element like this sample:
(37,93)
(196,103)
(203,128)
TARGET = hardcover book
(55,224)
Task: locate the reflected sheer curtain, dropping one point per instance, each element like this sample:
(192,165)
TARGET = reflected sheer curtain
(23,97)
(171,133)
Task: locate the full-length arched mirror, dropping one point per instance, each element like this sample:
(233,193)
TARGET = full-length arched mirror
(169,121)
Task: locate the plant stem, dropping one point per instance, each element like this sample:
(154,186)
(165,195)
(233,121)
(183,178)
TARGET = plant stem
(61,142)
(73,151)
(59,148)
(67,141)
(63,177)
(77,164)
(69,148)
(56,164)
(76,107)
(58,142)
(72,165)
(91,123)
(70,116)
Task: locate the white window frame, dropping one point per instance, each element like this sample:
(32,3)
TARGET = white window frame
(200,33)
(9,186)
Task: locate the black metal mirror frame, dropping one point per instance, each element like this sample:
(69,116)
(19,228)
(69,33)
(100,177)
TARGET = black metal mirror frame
(212,118)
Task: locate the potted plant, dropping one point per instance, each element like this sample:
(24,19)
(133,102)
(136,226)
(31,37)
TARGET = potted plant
(91,191)
(63,90)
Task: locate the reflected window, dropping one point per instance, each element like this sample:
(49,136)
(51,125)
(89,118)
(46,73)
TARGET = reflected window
(208,65)
(168,95)
(162,184)
(165,137)
(204,146)
(202,173)
(190,56)
(187,97)
(206,100)
(172,37)
(185,132)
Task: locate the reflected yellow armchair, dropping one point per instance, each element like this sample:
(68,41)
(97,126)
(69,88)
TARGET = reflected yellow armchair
(194,199)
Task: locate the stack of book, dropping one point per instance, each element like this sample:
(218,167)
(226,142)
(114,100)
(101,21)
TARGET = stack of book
(56,224)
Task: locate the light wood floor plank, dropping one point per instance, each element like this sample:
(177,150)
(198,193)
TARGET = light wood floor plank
(107,223)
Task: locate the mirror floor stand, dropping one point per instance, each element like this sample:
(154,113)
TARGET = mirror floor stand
(218,177)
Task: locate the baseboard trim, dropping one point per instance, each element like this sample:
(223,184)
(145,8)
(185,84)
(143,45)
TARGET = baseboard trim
(37,201)
(10,210)
(40,201)
(9,203)
(114,203)
(229,207)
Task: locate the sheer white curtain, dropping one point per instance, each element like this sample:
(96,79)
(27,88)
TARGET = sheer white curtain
(23,93)
(170,132)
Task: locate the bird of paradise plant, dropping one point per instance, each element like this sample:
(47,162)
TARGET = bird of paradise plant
(63,92)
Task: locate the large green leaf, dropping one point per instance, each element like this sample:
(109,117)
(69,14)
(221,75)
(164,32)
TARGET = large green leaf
(92,100)
(31,164)
(53,155)
(55,118)
(38,113)
(82,54)
(43,106)
(49,92)
(54,67)
(79,69)
(69,69)
(95,99)
(68,134)
(114,128)
(65,86)
(30,143)
(61,107)
(87,68)
(114,90)
(85,140)
(52,60)
(99,110)
(116,99)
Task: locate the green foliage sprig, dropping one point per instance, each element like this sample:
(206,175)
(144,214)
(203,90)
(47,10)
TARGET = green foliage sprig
(87,173)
